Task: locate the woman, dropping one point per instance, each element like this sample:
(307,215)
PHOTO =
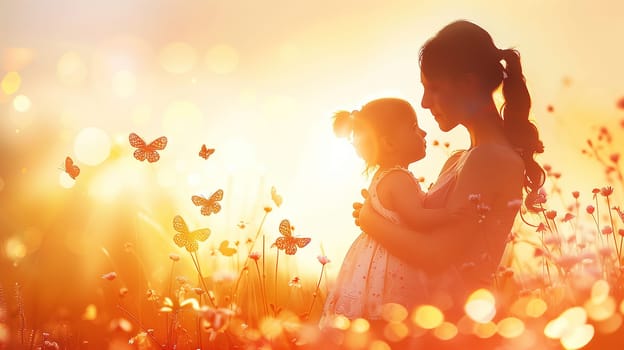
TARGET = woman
(460,70)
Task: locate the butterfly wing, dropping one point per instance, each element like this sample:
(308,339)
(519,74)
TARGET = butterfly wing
(206,152)
(201,234)
(180,225)
(152,156)
(287,244)
(199,200)
(284,228)
(137,142)
(71,169)
(157,145)
(225,249)
(211,209)
(302,241)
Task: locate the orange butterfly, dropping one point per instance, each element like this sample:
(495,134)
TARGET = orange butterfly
(225,249)
(206,152)
(71,169)
(209,205)
(145,151)
(288,243)
(186,238)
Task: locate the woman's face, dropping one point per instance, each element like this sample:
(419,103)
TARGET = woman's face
(443,99)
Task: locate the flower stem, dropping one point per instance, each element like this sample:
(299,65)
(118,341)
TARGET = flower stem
(318,285)
(201,277)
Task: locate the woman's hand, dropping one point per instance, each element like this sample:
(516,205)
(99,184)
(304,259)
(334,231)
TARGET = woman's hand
(357,206)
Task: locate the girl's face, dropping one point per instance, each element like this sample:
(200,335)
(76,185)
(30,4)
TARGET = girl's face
(443,99)
(410,140)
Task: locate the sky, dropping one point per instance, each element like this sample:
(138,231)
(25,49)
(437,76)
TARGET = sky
(259,82)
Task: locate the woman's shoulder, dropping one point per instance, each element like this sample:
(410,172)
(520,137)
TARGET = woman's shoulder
(497,155)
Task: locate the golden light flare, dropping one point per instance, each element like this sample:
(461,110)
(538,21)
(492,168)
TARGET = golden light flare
(396,331)
(179,118)
(359,325)
(484,330)
(610,325)
(11,83)
(15,249)
(600,309)
(427,317)
(65,180)
(510,327)
(71,69)
(379,345)
(123,83)
(393,312)
(341,322)
(600,291)
(22,103)
(536,307)
(16,58)
(270,327)
(481,306)
(445,331)
(567,322)
(577,337)
(178,57)
(90,313)
(92,146)
(222,59)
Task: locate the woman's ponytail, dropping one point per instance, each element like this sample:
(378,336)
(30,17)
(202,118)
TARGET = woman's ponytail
(522,134)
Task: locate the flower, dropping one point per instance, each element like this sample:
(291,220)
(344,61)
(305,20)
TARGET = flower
(109,276)
(590,209)
(567,217)
(551,214)
(255,255)
(323,259)
(174,257)
(541,227)
(123,291)
(607,230)
(615,157)
(267,209)
(575,194)
(606,191)
(621,232)
(295,282)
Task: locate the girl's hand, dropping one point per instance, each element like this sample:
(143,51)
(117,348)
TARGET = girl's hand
(357,206)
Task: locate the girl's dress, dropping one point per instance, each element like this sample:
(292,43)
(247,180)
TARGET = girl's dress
(370,277)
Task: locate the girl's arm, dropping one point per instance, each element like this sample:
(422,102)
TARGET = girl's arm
(405,198)
(497,175)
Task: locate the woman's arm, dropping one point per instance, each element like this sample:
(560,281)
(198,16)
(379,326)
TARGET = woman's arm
(492,172)
(399,191)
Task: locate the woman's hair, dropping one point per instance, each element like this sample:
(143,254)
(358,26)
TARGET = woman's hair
(375,120)
(463,47)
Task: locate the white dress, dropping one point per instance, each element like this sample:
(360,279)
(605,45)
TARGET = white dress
(370,277)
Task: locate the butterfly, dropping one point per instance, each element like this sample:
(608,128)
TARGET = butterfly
(186,238)
(225,250)
(71,169)
(276,197)
(206,152)
(209,205)
(147,151)
(288,243)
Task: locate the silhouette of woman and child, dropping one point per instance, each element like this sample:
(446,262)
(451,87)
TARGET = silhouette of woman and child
(431,248)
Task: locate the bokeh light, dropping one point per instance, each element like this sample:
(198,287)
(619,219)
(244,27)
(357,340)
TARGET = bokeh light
(92,146)
(181,118)
(446,331)
(536,307)
(178,57)
(510,327)
(577,337)
(427,316)
(222,59)
(71,69)
(124,83)
(396,331)
(360,325)
(481,306)
(22,103)
(393,312)
(11,83)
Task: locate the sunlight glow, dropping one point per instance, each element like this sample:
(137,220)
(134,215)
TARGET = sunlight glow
(21,103)
(90,313)
(428,317)
(222,59)
(124,83)
(11,83)
(481,306)
(92,146)
(178,57)
(71,69)
(180,118)
(15,249)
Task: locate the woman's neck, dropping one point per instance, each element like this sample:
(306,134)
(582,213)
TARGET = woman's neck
(486,126)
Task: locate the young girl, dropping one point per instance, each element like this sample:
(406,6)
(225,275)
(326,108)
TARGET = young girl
(387,137)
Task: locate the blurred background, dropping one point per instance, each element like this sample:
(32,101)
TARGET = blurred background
(258,81)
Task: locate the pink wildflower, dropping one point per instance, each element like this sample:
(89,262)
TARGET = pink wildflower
(541,227)
(615,157)
(323,259)
(255,255)
(109,276)
(575,194)
(607,230)
(606,191)
(590,209)
(551,214)
(295,282)
(567,217)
